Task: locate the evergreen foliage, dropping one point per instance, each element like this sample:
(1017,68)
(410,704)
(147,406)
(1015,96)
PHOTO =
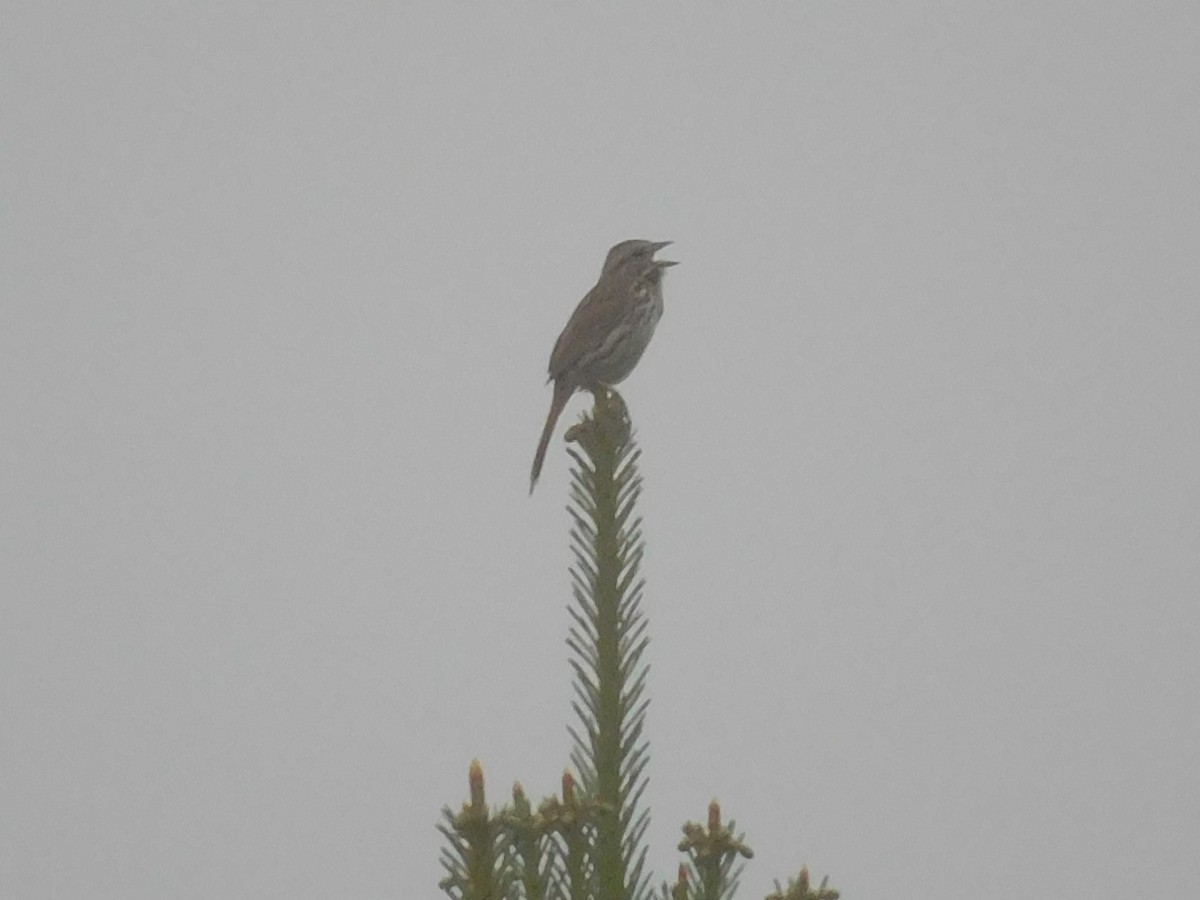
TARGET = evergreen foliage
(588,844)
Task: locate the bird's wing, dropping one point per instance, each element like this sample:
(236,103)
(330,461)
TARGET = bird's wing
(598,314)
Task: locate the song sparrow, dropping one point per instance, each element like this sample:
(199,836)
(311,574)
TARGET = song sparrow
(608,332)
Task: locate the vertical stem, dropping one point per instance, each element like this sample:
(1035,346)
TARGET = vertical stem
(610,863)
(606,670)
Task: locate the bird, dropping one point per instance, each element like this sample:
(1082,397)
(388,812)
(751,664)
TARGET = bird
(608,332)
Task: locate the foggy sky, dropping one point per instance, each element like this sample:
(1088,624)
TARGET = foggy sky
(278,286)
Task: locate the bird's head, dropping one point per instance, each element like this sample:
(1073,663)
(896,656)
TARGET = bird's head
(635,251)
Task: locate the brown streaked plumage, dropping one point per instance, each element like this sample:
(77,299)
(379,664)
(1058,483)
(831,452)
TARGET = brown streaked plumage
(608,332)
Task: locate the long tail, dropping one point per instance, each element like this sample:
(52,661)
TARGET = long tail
(562,393)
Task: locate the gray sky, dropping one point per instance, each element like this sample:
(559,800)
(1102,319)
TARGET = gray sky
(278,285)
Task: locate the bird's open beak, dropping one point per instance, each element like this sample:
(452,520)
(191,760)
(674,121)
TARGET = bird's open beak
(663,263)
